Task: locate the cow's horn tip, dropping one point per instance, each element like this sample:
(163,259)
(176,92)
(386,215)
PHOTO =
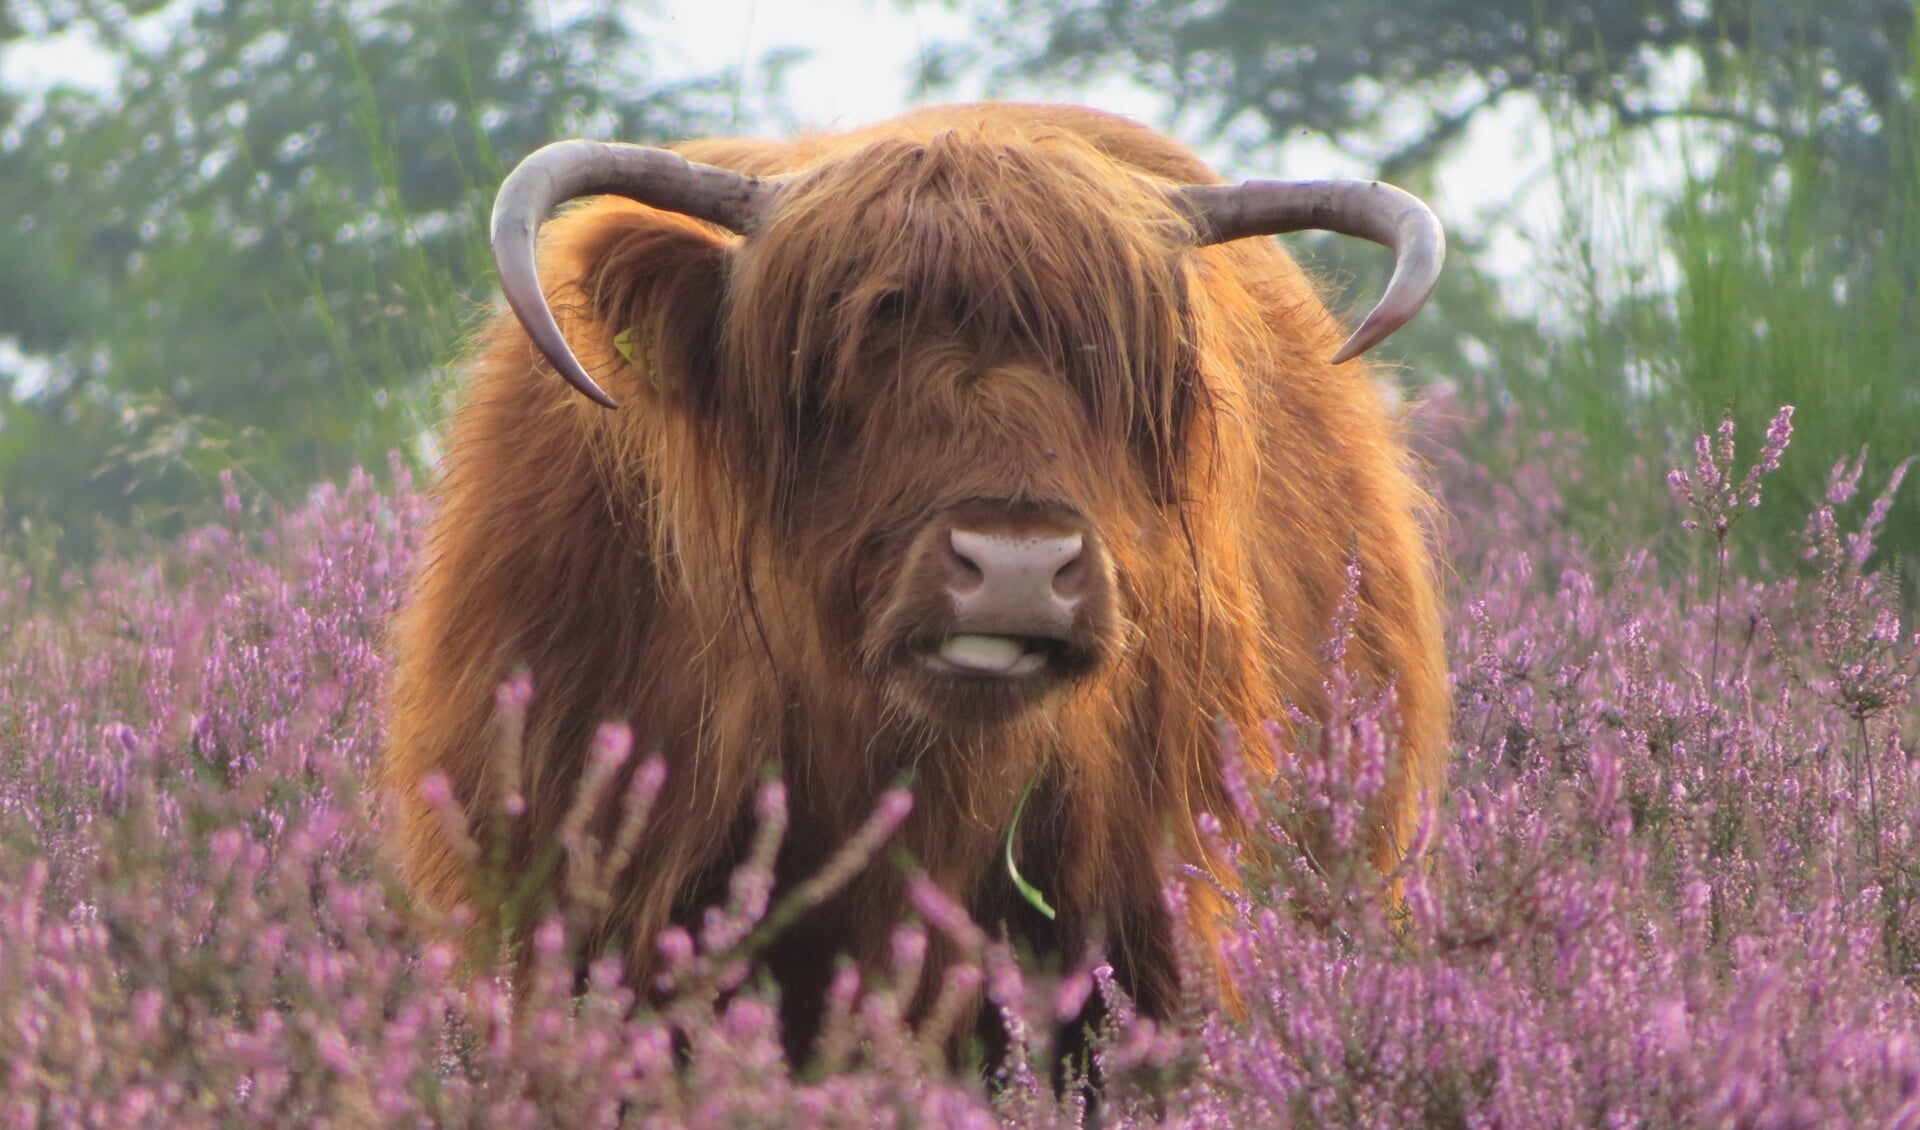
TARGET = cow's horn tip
(585,385)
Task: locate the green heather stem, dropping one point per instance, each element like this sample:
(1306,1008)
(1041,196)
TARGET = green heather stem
(1027,890)
(1873,798)
(1719,586)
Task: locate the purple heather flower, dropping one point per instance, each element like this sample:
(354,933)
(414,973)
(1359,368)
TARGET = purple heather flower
(1646,896)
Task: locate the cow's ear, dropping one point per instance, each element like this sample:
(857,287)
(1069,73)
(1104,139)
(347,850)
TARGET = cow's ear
(655,283)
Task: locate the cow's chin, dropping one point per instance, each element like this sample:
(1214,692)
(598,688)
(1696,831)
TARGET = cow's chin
(969,681)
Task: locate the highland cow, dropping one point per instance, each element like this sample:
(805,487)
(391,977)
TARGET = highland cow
(987,445)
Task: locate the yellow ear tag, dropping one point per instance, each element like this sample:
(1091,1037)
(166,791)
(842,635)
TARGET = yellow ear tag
(647,364)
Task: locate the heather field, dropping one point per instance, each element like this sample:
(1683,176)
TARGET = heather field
(1674,883)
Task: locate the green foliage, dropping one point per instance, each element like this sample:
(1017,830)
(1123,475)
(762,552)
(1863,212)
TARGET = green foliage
(260,248)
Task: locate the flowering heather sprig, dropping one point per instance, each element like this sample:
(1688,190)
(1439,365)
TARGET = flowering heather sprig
(612,746)
(1857,634)
(752,884)
(731,935)
(1710,492)
(860,850)
(1714,497)
(944,914)
(592,871)
(510,722)
(437,791)
(958,995)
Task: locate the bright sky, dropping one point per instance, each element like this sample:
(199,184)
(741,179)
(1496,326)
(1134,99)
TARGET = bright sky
(862,51)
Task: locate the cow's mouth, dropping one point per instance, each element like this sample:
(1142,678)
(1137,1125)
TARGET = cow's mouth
(972,656)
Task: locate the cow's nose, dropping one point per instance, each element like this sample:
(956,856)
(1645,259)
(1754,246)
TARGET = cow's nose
(1016,584)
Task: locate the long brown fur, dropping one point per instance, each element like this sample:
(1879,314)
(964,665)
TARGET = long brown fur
(964,303)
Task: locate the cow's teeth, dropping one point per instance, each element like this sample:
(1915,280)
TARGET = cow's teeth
(982,653)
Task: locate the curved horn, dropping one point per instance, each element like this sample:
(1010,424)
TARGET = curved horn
(566,170)
(1367,209)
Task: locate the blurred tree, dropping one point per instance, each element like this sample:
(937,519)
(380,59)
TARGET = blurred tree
(1396,82)
(252,251)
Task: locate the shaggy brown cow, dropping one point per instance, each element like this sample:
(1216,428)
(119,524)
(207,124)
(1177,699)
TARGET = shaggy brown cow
(978,444)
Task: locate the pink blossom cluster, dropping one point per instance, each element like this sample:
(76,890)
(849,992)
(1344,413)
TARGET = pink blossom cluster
(1674,881)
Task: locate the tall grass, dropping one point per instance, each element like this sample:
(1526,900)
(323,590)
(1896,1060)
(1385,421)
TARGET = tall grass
(1770,270)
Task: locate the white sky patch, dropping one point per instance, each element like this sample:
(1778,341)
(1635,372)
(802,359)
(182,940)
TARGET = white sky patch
(861,53)
(73,58)
(30,374)
(38,62)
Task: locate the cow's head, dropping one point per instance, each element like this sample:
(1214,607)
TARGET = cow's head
(958,382)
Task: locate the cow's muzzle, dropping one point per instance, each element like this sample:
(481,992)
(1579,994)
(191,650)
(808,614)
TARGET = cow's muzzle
(1002,594)
(1014,596)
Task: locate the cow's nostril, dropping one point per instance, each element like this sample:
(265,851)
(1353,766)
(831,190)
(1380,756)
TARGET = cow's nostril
(963,572)
(1071,580)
